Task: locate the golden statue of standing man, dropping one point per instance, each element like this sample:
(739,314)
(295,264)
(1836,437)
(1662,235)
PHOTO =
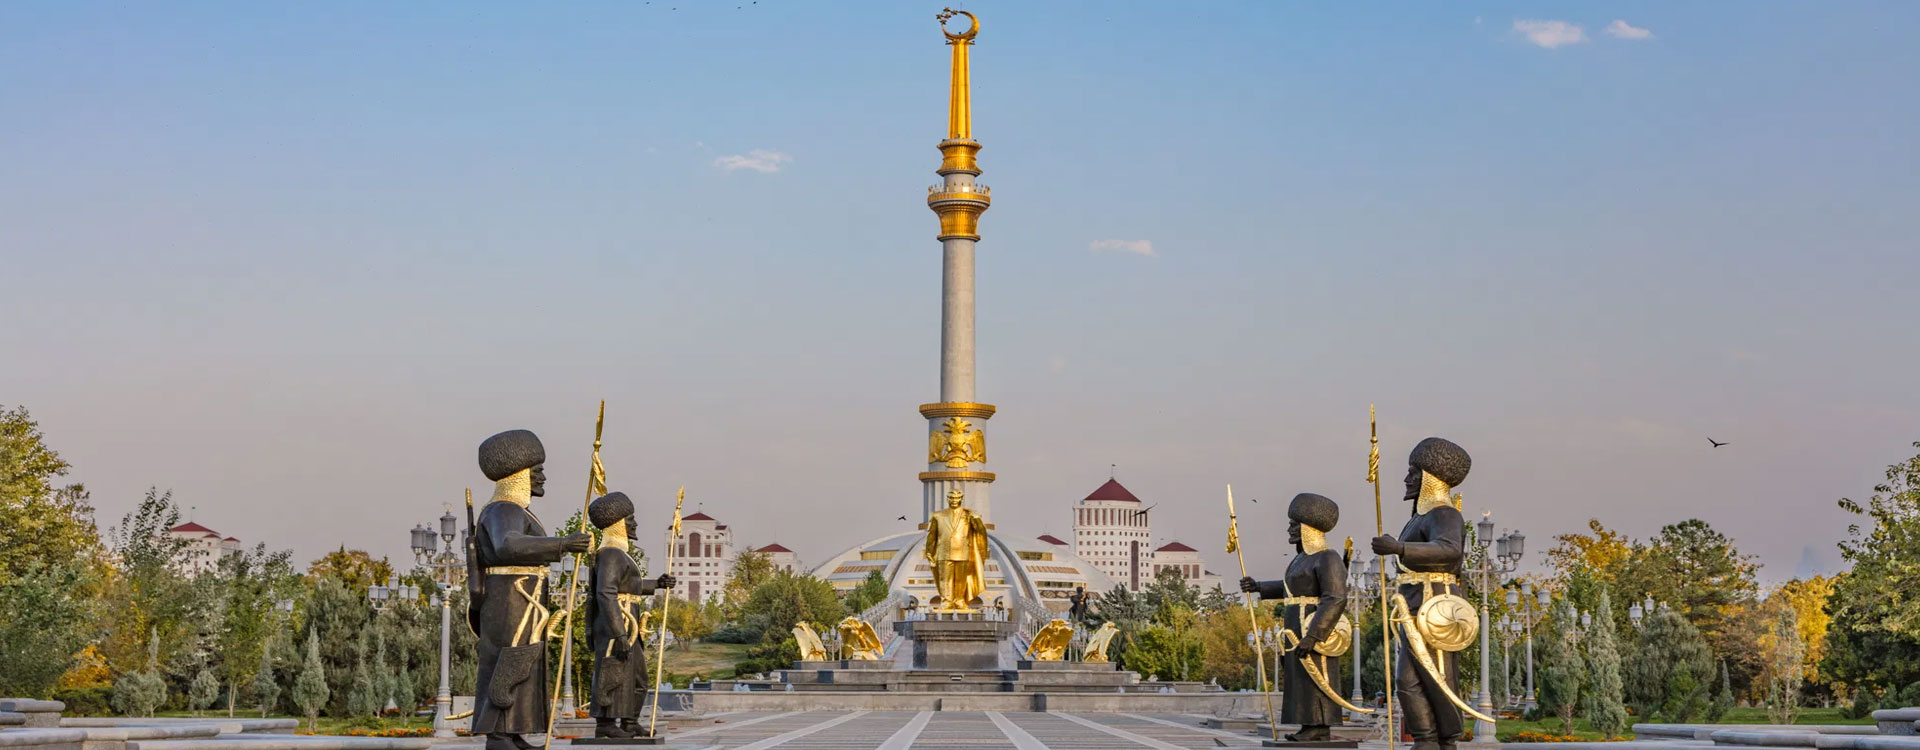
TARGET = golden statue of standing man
(957,547)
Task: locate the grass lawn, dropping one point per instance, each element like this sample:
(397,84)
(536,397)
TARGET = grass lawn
(1737,715)
(325,725)
(705,660)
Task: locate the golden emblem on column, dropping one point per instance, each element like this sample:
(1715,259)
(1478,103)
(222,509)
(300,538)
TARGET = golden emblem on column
(957,546)
(957,444)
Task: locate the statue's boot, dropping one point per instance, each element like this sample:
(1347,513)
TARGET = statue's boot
(520,741)
(610,729)
(503,741)
(634,728)
(1312,733)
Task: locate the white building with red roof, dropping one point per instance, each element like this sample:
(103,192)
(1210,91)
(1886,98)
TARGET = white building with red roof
(782,558)
(702,557)
(1111,531)
(1186,560)
(204,546)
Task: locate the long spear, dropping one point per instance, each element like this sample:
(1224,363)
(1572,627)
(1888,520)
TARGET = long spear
(1380,528)
(660,659)
(596,486)
(1253,620)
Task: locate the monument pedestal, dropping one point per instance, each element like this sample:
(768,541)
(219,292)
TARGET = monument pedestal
(956,641)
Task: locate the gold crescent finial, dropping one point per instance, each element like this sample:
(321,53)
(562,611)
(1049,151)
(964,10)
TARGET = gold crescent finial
(973,25)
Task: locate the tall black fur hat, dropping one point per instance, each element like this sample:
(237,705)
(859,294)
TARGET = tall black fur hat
(609,509)
(509,452)
(1443,459)
(1318,511)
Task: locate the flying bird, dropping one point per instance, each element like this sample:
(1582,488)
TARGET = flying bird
(1139,513)
(1716,443)
(903,518)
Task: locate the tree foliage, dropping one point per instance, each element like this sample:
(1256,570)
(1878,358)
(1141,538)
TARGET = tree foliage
(1609,711)
(1873,640)
(41,522)
(1562,667)
(310,691)
(1783,662)
(139,692)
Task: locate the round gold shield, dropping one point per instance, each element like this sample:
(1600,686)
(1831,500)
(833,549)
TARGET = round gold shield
(1337,642)
(1447,622)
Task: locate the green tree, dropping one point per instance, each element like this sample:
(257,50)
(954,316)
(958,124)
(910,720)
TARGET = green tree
(872,590)
(310,689)
(41,523)
(1171,648)
(787,598)
(1873,641)
(151,594)
(1698,571)
(1722,697)
(252,582)
(1665,641)
(354,569)
(1782,658)
(266,689)
(750,570)
(139,692)
(1609,712)
(204,690)
(362,698)
(47,621)
(1685,695)
(1559,688)
(1169,591)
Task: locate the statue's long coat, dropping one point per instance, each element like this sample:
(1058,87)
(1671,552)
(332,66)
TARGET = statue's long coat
(508,534)
(620,675)
(1434,543)
(1321,575)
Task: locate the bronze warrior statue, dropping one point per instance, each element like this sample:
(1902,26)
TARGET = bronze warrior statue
(1432,548)
(511,609)
(617,617)
(1313,595)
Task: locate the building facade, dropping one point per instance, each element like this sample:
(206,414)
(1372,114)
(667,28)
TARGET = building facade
(1112,532)
(702,557)
(1186,561)
(204,547)
(783,559)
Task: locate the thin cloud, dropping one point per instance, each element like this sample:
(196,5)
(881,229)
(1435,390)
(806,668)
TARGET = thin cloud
(1550,34)
(1135,247)
(759,160)
(1623,30)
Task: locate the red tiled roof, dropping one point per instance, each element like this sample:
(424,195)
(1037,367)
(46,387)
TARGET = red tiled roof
(231,539)
(697,516)
(190,526)
(1049,538)
(773,548)
(1113,491)
(1176,547)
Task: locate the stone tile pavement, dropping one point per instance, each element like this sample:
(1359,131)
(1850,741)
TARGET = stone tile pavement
(958,730)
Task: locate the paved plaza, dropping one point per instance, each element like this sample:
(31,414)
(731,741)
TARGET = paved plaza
(981,730)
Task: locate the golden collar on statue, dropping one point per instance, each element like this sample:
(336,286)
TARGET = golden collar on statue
(1312,540)
(1433,494)
(516,488)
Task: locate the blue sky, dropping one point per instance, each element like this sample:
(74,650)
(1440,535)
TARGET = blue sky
(295,261)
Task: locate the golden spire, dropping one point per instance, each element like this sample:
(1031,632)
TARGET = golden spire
(959,148)
(959,115)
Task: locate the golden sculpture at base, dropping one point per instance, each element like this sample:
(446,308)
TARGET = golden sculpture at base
(859,637)
(811,649)
(957,548)
(1097,645)
(1050,644)
(1417,644)
(957,444)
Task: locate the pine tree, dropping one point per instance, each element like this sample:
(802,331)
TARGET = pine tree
(1559,688)
(1723,697)
(139,693)
(204,690)
(310,690)
(1684,694)
(361,696)
(1608,712)
(266,690)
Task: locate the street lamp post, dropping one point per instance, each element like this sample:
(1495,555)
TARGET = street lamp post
(1504,558)
(1360,590)
(1530,605)
(447,564)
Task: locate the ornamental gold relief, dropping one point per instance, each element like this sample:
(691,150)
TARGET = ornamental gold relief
(956,444)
